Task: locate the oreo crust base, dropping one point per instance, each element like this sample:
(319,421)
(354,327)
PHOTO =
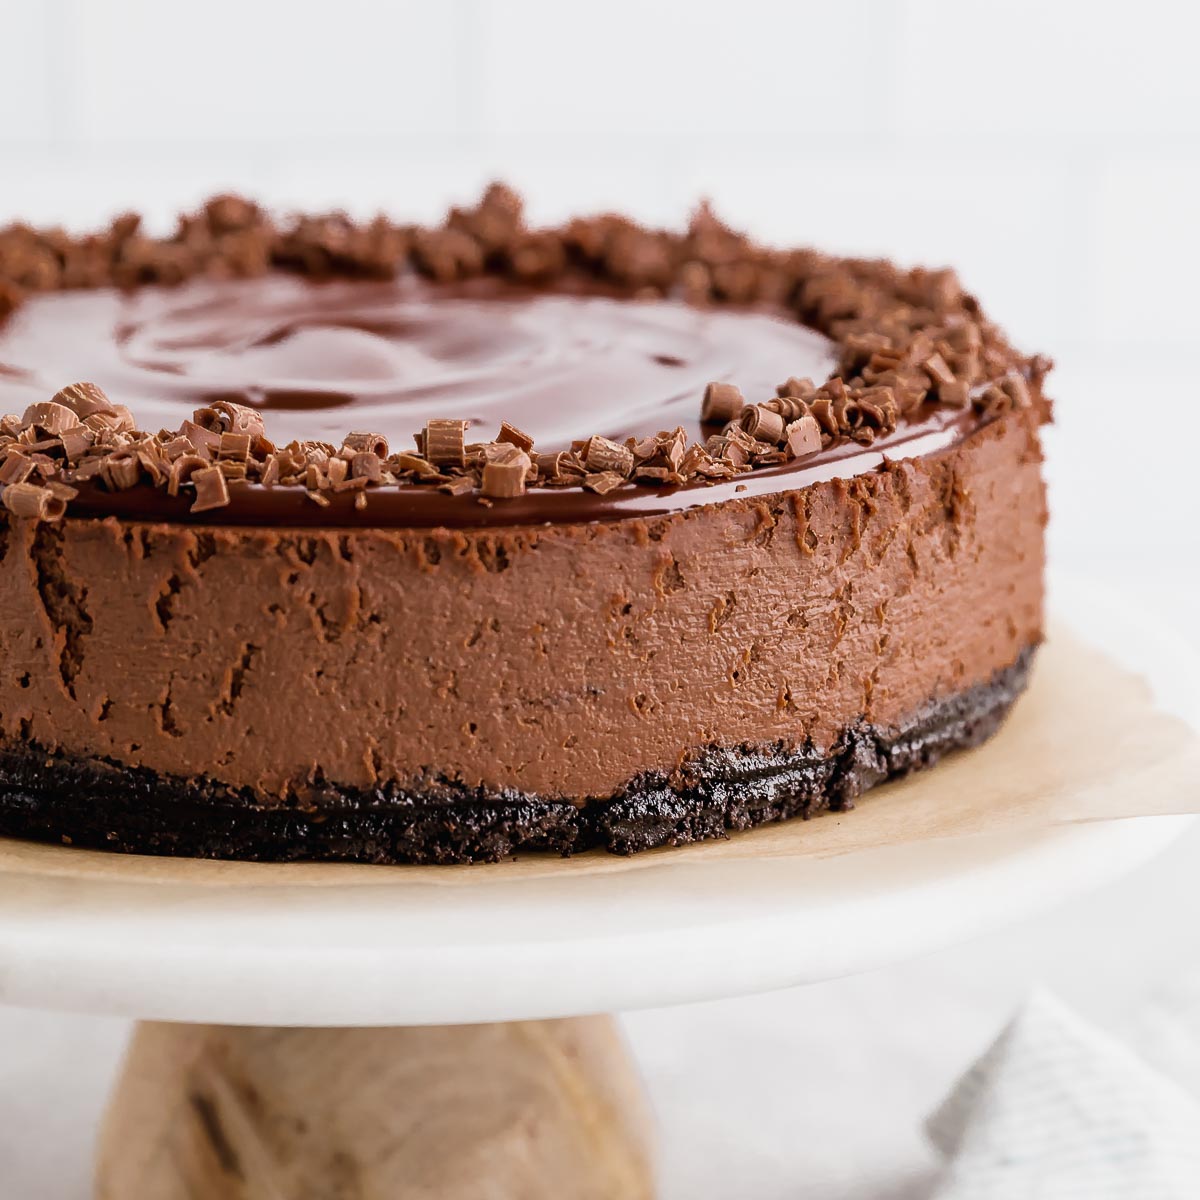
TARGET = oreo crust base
(52,797)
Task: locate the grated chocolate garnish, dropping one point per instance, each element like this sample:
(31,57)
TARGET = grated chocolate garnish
(903,339)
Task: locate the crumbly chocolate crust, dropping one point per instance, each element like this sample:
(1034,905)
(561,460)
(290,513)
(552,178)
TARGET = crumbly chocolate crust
(905,340)
(93,804)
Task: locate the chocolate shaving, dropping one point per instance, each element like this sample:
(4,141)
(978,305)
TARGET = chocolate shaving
(504,475)
(803,437)
(1017,390)
(461,485)
(368,464)
(83,399)
(234,446)
(16,468)
(182,470)
(956,394)
(904,340)
(937,370)
(603,482)
(211,489)
(50,418)
(33,502)
(802,389)
(514,436)
(603,456)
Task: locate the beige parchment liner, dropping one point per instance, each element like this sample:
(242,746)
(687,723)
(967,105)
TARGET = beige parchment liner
(1085,743)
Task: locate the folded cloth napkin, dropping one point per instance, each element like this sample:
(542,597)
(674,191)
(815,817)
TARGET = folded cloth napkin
(1059,1110)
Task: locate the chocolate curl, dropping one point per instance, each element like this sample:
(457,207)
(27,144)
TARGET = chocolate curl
(182,470)
(878,407)
(366,443)
(550,466)
(84,400)
(790,408)
(33,502)
(504,474)
(443,442)
(762,424)
(803,437)
(121,470)
(222,416)
(604,456)
(211,489)
(722,403)
(847,414)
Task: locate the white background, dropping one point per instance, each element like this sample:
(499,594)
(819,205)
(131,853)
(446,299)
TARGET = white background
(1049,150)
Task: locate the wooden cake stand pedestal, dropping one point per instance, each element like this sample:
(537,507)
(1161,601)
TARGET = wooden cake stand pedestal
(535,1109)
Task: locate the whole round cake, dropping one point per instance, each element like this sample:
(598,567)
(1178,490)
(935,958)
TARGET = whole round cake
(366,541)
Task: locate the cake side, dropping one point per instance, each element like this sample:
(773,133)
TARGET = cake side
(94,804)
(543,675)
(649,607)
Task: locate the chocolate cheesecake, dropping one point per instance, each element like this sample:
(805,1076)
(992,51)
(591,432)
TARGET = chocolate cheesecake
(371,542)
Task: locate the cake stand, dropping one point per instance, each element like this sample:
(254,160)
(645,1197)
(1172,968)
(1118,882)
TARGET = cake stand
(297,1042)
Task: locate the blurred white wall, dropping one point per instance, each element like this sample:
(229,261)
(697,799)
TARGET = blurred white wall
(1049,149)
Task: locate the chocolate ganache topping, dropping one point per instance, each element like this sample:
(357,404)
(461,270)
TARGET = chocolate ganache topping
(320,359)
(327,373)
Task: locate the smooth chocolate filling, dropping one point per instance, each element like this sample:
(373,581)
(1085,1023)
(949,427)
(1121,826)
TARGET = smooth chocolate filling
(102,805)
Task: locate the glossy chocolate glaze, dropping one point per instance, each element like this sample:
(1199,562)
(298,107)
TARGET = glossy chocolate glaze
(323,359)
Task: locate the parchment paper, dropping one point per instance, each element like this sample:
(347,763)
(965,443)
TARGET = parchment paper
(1085,743)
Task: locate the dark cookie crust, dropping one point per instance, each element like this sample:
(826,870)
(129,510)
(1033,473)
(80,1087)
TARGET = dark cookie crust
(89,803)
